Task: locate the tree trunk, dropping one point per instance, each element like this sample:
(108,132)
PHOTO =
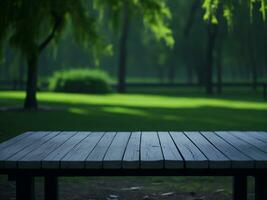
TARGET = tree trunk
(160,73)
(189,77)
(254,75)
(171,74)
(219,67)
(201,73)
(21,73)
(123,49)
(212,33)
(31,87)
(32,61)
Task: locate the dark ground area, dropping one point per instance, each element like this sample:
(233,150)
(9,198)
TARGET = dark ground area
(116,189)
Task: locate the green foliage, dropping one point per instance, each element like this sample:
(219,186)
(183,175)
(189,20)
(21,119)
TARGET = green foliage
(155,13)
(27,24)
(80,81)
(211,8)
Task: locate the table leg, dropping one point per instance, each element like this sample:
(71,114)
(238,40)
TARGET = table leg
(51,188)
(260,187)
(24,187)
(240,188)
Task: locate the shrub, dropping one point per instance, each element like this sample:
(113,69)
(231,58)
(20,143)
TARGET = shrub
(80,81)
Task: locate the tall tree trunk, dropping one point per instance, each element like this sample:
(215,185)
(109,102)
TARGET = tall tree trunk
(252,58)
(212,33)
(21,74)
(189,73)
(219,67)
(32,62)
(195,6)
(123,49)
(201,73)
(160,73)
(31,87)
(254,75)
(171,74)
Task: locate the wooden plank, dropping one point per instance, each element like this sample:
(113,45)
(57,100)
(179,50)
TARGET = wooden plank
(172,157)
(260,135)
(76,157)
(95,158)
(257,155)
(115,152)
(193,157)
(19,146)
(53,159)
(14,140)
(34,158)
(131,159)
(11,162)
(238,159)
(216,158)
(249,138)
(151,153)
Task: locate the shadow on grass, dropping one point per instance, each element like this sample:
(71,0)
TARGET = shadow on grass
(106,117)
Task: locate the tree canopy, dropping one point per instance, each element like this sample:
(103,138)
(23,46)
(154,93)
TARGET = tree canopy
(211,8)
(155,13)
(30,25)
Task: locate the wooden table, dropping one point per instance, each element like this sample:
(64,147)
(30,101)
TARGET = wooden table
(54,154)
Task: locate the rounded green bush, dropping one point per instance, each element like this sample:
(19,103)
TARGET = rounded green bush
(80,81)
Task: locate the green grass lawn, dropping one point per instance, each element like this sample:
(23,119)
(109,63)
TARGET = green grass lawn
(130,112)
(172,110)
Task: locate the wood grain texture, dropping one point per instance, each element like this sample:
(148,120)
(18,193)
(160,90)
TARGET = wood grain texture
(34,158)
(95,158)
(260,135)
(131,159)
(238,159)
(11,162)
(172,157)
(249,138)
(135,150)
(216,158)
(13,140)
(115,152)
(193,157)
(151,153)
(54,158)
(259,157)
(19,145)
(76,157)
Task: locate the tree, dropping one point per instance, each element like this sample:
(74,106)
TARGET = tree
(213,10)
(30,26)
(155,14)
(123,47)
(212,31)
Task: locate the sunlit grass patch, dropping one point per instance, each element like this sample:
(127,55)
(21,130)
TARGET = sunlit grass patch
(139,100)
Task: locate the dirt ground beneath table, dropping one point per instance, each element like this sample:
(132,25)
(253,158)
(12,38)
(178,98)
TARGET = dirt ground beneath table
(117,189)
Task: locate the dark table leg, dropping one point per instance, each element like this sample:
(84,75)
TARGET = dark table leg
(51,188)
(240,188)
(260,187)
(24,187)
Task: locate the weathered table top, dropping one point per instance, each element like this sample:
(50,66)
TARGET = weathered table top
(135,150)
